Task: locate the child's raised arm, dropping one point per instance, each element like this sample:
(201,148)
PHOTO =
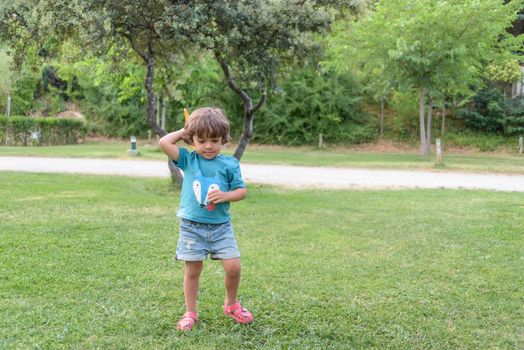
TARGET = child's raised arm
(168,143)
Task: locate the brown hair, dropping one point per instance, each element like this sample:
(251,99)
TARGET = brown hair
(207,122)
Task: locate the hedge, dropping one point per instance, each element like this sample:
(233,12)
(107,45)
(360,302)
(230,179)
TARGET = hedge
(40,131)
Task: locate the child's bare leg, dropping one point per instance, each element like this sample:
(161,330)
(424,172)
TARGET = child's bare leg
(192,272)
(231,279)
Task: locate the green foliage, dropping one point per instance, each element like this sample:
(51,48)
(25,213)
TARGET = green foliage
(405,122)
(514,122)
(507,71)
(24,91)
(484,142)
(51,131)
(486,113)
(255,38)
(489,112)
(200,83)
(49,104)
(446,45)
(313,103)
(438,47)
(6,73)
(29,89)
(113,97)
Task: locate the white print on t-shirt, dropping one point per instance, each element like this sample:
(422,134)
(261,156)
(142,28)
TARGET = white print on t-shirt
(201,188)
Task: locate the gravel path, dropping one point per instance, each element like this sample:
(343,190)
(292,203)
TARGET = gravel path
(292,176)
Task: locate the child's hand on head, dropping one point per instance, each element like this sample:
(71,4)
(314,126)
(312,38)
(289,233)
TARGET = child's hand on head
(185,136)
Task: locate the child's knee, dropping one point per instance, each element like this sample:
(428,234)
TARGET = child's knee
(232,267)
(193,269)
(233,274)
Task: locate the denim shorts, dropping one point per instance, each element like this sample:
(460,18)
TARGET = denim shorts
(197,240)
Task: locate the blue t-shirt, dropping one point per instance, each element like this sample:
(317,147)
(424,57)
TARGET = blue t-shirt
(202,175)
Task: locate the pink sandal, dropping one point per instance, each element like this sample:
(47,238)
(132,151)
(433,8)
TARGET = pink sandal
(240,314)
(187,321)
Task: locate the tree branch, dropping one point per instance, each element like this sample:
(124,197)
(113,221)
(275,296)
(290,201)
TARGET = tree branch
(231,83)
(129,37)
(260,102)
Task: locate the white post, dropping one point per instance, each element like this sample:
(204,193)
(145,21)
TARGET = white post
(320,141)
(133,151)
(438,151)
(521,144)
(35,137)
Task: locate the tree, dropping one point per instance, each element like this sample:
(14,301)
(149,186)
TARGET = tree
(505,73)
(432,46)
(253,41)
(6,77)
(101,24)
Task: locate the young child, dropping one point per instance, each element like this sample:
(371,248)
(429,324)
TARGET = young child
(211,182)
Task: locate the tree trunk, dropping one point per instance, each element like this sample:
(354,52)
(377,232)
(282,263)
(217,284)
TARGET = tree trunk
(249,110)
(157,109)
(382,117)
(422,116)
(443,123)
(164,110)
(246,135)
(151,97)
(8,114)
(8,107)
(148,57)
(430,117)
(176,173)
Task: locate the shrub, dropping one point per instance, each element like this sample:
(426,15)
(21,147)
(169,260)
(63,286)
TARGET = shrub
(490,112)
(49,131)
(24,92)
(514,121)
(114,99)
(484,142)
(486,113)
(405,123)
(314,103)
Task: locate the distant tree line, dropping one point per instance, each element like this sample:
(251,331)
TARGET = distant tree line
(351,71)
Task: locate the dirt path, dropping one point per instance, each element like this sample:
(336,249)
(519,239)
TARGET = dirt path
(291,176)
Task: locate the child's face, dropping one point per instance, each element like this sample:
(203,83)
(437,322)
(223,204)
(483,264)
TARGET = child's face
(207,147)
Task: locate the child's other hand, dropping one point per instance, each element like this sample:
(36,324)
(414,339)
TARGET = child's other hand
(216,196)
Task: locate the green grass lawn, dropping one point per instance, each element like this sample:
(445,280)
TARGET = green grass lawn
(88,262)
(308,156)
